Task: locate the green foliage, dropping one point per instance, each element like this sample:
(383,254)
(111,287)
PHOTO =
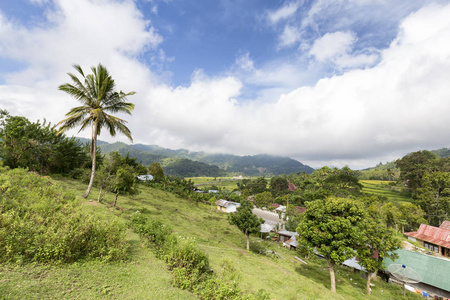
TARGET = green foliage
(332,227)
(39,222)
(278,186)
(188,168)
(263,199)
(256,165)
(37,147)
(255,186)
(245,220)
(414,165)
(156,171)
(153,230)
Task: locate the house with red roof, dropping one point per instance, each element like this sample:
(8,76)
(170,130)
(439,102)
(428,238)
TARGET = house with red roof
(436,239)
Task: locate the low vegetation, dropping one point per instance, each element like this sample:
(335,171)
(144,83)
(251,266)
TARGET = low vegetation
(146,274)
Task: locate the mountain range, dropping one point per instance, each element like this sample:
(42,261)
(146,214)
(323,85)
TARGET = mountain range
(184,163)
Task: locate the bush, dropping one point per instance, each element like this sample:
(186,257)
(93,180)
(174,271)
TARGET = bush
(40,222)
(190,265)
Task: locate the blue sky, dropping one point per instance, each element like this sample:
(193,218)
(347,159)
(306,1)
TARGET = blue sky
(335,82)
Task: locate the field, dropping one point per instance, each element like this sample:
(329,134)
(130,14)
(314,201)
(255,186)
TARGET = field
(225,183)
(143,276)
(383,188)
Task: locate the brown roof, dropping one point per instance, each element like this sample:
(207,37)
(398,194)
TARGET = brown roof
(445,225)
(431,234)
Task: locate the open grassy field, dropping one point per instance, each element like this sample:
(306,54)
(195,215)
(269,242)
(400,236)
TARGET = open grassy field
(226,183)
(383,188)
(143,276)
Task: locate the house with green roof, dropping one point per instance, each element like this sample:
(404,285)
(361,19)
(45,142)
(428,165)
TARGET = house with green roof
(434,271)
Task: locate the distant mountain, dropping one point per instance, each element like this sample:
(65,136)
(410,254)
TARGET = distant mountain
(182,161)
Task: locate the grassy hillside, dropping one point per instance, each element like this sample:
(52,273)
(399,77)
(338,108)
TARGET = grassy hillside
(143,276)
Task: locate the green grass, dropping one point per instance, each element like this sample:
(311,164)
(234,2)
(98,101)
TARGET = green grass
(383,188)
(143,276)
(225,183)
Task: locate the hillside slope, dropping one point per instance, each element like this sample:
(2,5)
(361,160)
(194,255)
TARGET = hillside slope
(145,277)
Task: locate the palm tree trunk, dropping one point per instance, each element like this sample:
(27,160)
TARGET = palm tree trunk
(94,158)
(332,278)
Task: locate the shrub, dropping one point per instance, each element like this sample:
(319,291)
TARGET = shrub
(40,222)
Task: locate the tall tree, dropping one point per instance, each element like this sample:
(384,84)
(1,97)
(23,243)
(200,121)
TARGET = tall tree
(332,226)
(245,220)
(99,98)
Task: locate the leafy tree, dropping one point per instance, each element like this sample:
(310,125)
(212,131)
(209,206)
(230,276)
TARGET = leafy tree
(332,226)
(156,171)
(263,199)
(375,242)
(414,165)
(37,147)
(434,196)
(125,182)
(257,186)
(245,220)
(106,174)
(278,185)
(99,98)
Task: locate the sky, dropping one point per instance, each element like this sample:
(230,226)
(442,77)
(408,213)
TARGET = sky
(327,82)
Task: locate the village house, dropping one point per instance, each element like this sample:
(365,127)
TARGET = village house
(436,239)
(227,206)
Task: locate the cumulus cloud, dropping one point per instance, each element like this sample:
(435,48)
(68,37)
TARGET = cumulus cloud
(398,104)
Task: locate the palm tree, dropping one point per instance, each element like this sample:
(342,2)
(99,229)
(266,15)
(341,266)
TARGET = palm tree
(98,98)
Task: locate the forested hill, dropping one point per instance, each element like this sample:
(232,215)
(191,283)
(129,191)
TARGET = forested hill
(183,163)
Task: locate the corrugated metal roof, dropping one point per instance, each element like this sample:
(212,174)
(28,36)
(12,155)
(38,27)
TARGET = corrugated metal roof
(431,234)
(433,270)
(225,203)
(445,225)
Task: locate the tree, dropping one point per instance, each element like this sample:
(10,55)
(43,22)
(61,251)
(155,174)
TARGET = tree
(99,98)
(257,186)
(434,196)
(375,242)
(332,227)
(245,220)
(37,147)
(124,182)
(279,185)
(156,171)
(414,165)
(263,199)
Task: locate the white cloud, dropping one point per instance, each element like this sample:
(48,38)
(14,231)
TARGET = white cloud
(244,62)
(332,45)
(398,105)
(290,36)
(282,13)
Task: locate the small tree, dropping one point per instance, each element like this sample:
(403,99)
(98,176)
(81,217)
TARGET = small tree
(375,242)
(245,220)
(124,182)
(332,227)
(212,201)
(156,171)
